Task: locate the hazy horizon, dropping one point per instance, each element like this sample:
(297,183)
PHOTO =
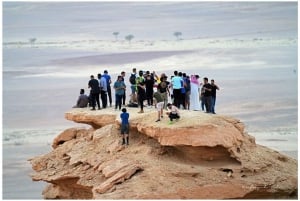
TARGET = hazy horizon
(146,20)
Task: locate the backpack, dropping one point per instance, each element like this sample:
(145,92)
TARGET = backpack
(132,79)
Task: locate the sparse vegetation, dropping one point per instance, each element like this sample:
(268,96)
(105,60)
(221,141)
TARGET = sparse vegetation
(32,41)
(116,34)
(177,34)
(129,37)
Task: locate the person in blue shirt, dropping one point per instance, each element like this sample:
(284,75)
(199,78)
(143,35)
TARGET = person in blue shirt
(125,126)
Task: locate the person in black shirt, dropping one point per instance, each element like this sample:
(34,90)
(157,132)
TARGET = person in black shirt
(207,88)
(141,91)
(213,95)
(123,79)
(95,91)
(163,89)
(149,82)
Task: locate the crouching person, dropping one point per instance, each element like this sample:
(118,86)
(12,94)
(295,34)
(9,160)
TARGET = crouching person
(173,112)
(82,101)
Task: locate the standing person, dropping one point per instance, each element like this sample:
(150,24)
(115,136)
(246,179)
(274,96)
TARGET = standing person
(207,95)
(132,80)
(187,92)
(213,95)
(149,83)
(119,87)
(194,103)
(176,83)
(108,82)
(141,91)
(125,126)
(95,91)
(163,89)
(103,87)
(82,101)
(159,105)
(173,112)
(124,95)
(182,90)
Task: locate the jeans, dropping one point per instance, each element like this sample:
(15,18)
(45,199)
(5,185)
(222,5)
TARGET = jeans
(95,99)
(109,94)
(213,103)
(118,101)
(104,98)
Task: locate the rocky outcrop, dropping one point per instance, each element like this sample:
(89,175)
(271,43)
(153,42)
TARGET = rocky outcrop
(201,156)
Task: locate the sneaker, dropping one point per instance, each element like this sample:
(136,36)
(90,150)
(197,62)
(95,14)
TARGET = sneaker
(170,122)
(93,109)
(157,120)
(141,111)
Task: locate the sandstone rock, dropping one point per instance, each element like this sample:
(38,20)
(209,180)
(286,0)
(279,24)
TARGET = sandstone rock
(69,134)
(190,159)
(120,176)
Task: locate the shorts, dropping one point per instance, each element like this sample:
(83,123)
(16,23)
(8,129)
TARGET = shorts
(159,106)
(133,89)
(125,129)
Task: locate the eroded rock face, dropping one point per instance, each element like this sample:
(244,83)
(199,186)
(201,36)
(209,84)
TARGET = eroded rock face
(201,156)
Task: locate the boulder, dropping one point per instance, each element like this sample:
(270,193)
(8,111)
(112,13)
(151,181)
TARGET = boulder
(202,156)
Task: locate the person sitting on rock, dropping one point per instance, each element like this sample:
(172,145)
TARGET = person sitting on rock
(82,101)
(173,112)
(159,105)
(125,126)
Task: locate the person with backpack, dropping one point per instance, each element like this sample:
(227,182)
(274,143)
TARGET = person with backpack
(132,80)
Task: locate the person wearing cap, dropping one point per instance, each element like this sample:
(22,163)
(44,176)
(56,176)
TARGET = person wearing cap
(108,82)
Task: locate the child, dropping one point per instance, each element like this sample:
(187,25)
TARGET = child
(174,112)
(125,126)
(159,105)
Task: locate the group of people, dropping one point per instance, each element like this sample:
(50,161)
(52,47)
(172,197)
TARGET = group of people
(183,91)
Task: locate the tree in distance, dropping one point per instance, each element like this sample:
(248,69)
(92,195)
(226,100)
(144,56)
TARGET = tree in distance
(129,37)
(177,34)
(32,41)
(116,34)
